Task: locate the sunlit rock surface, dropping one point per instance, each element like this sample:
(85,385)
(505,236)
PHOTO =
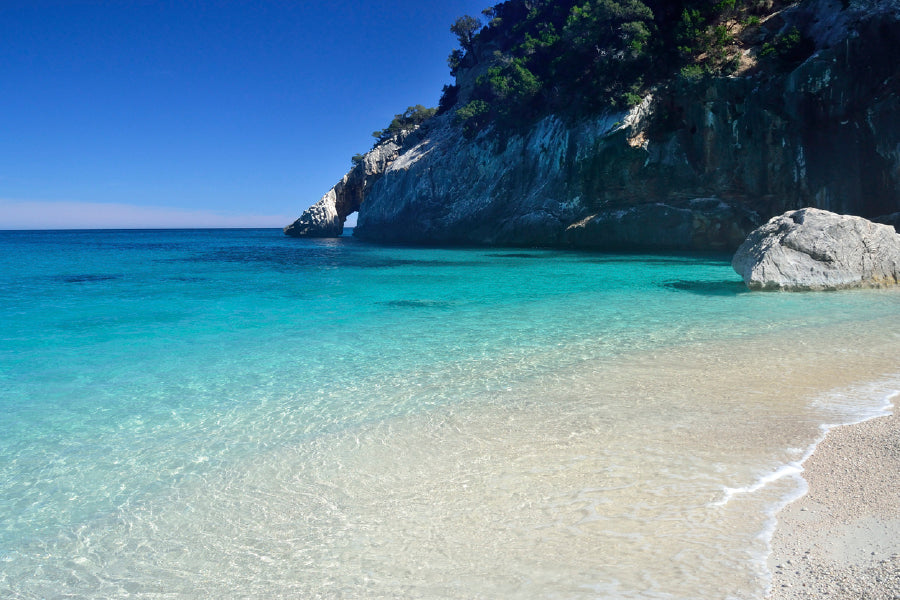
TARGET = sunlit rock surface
(813,249)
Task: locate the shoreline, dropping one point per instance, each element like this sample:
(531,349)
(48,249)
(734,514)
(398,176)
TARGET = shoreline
(842,538)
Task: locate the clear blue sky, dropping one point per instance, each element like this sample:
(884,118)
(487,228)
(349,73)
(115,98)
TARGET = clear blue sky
(129,113)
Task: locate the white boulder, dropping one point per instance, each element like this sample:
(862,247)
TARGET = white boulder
(812,249)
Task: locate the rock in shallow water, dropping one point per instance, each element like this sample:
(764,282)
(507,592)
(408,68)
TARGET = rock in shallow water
(812,249)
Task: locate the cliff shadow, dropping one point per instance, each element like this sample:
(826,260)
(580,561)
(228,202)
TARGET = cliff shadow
(725,287)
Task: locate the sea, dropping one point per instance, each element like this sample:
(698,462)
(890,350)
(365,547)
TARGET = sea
(238,414)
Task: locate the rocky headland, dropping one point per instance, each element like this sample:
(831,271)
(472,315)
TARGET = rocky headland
(698,164)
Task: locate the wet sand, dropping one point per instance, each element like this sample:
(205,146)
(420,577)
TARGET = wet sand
(842,539)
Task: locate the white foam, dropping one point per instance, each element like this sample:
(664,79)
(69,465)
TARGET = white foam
(789,470)
(844,403)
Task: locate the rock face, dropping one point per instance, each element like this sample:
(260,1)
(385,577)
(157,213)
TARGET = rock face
(813,249)
(697,165)
(593,184)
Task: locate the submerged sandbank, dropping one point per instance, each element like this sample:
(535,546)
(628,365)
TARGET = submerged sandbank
(842,539)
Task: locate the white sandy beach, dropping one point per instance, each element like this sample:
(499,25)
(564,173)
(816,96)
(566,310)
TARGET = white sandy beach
(842,539)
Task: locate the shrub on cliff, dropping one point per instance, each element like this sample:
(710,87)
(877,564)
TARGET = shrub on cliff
(787,48)
(411,118)
(576,57)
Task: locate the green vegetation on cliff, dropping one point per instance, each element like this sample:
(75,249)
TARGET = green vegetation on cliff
(524,59)
(577,57)
(409,119)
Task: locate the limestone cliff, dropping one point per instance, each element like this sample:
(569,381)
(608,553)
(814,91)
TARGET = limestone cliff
(697,165)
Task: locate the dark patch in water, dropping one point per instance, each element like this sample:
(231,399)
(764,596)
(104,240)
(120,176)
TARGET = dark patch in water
(663,262)
(313,256)
(514,255)
(152,246)
(708,288)
(384,263)
(87,278)
(675,258)
(186,278)
(440,304)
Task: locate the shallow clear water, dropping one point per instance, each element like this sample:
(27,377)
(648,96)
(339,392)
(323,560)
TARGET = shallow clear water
(239,414)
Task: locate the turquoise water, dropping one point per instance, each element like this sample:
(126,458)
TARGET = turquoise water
(232,412)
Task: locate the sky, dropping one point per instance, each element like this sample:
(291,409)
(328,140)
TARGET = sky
(182,113)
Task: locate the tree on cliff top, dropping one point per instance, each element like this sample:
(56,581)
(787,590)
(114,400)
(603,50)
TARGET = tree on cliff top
(465,28)
(411,118)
